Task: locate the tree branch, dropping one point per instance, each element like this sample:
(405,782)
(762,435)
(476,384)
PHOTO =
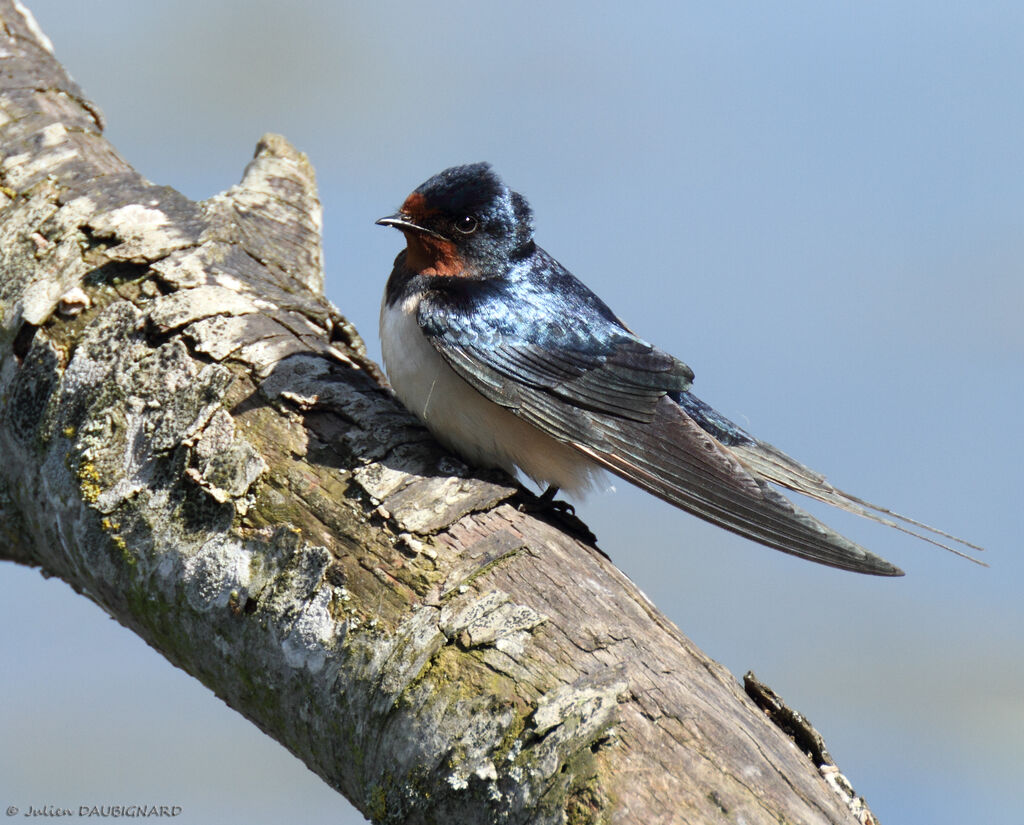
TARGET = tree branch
(194,439)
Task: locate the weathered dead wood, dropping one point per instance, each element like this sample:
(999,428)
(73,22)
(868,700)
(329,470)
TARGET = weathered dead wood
(193,438)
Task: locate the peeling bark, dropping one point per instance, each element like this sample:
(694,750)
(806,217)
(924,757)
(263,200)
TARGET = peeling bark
(194,438)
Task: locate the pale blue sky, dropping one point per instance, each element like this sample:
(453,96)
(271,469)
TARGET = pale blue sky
(817,206)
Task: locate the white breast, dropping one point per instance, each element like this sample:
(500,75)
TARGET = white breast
(479,430)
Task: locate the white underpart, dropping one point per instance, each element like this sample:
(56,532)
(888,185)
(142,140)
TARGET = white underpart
(479,430)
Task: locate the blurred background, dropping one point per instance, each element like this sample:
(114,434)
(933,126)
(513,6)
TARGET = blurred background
(817,206)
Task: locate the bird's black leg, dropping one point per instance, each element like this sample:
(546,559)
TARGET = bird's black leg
(563,515)
(547,499)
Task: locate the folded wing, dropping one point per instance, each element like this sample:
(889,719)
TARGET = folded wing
(617,410)
(627,406)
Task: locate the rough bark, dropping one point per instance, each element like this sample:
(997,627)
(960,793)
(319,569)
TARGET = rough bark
(193,438)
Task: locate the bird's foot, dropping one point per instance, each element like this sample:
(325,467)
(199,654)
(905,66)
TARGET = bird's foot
(560,514)
(547,498)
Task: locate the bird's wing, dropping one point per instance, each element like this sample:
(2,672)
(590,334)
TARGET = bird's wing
(616,409)
(551,352)
(626,379)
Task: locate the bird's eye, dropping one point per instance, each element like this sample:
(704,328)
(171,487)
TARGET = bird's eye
(466,224)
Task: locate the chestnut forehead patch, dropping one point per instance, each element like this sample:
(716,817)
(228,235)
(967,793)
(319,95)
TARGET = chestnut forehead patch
(415,206)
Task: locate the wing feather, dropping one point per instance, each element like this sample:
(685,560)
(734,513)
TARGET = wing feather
(771,463)
(645,437)
(626,405)
(677,461)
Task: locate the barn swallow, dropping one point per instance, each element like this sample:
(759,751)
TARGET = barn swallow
(513,363)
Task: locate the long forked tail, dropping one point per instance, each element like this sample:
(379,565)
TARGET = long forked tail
(767,462)
(676,460)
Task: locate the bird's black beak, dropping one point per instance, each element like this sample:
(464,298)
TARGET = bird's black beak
(398,220)
(407,224)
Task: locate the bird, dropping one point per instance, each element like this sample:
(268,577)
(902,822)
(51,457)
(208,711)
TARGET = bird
(513,363)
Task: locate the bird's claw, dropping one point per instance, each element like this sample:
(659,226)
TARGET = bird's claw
(561,514)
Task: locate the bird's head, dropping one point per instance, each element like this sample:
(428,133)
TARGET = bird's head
(464,222)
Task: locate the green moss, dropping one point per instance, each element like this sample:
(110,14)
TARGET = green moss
(587,800)
(511,737)
(586,804)
(356,750)
(160,618)
(377,804)
(476,574)
(274,507)
(443,672)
